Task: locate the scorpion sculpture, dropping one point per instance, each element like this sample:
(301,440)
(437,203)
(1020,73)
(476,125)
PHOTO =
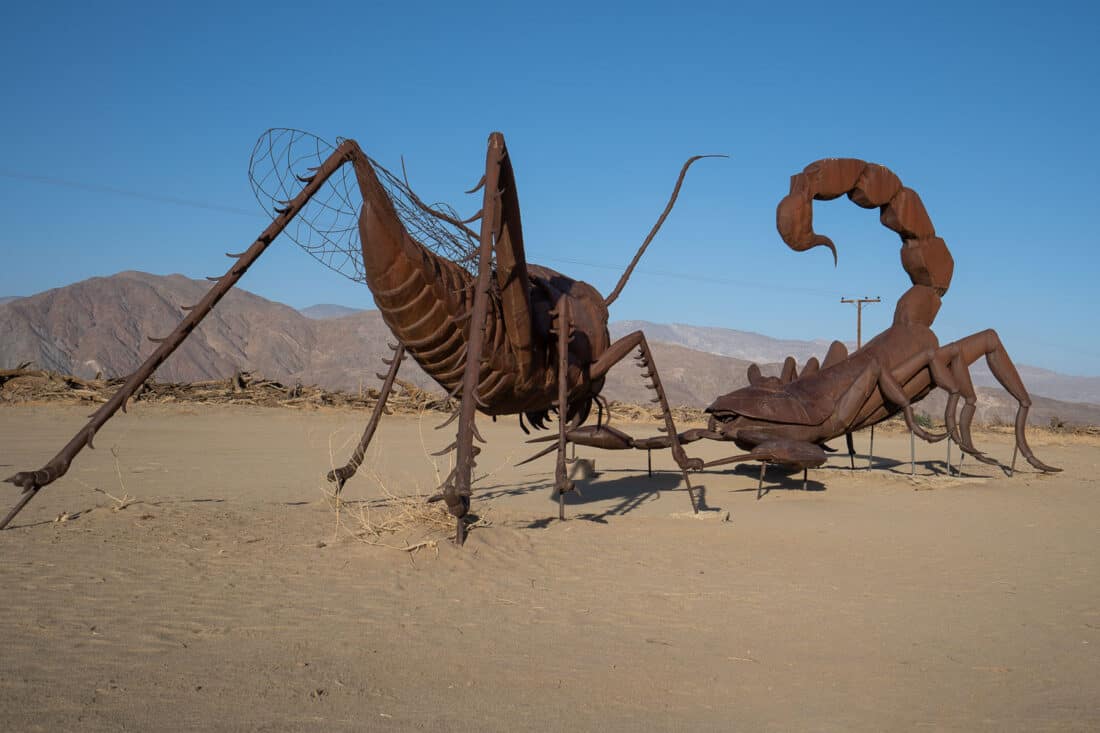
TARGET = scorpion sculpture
(787,419)
(502,336)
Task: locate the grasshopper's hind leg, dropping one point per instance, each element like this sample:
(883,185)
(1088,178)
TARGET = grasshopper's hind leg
(500,230)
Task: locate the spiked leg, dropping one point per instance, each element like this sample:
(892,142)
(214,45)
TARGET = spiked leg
(456,489)
(340,475)
(33,481)
(612,356)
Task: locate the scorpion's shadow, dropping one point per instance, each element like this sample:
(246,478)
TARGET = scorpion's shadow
(626,493)
(776,478)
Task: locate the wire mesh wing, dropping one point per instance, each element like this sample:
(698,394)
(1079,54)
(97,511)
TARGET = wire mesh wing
(327,227)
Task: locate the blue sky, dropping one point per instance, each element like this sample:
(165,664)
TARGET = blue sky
(989,112)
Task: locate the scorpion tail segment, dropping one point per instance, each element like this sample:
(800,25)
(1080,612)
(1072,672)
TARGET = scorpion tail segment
(656,227)
(924,255)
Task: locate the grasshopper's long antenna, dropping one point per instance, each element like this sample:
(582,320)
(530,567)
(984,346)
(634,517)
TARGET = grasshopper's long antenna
(656,227)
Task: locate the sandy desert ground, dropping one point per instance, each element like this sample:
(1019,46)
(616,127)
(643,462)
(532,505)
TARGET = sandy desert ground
(229,594)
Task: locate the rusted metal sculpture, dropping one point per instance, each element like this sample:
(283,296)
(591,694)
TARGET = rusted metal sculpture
(787,419)
(504,336)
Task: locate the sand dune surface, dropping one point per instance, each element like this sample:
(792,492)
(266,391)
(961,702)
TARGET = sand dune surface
(228,593)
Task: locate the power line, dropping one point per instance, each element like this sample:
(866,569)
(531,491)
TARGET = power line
(694,278)
(100,188)
(189,203)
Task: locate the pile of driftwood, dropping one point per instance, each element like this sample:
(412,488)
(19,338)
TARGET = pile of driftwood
(243,388)
(651,413)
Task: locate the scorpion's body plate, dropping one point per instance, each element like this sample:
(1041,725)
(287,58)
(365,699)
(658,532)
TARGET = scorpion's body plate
(424,297)
(807,406)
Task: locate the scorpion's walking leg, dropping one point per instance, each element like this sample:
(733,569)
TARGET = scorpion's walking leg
(962,354)
(851,449)
(340,475)
(563,327)
(33,481)
(871,450)
(614,354)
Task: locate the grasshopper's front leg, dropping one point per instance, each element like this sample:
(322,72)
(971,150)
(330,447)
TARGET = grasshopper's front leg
(614,354)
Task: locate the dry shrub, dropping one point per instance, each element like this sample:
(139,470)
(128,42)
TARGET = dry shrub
(399,522)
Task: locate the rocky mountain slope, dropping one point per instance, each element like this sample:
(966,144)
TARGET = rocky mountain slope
(100,326)
(764,349)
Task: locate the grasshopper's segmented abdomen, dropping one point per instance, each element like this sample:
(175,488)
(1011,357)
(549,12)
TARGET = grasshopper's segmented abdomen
(425,299)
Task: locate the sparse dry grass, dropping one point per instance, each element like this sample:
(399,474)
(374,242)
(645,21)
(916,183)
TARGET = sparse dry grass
(405,522)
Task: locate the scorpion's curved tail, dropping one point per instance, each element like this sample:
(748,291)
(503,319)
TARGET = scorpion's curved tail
(923,255)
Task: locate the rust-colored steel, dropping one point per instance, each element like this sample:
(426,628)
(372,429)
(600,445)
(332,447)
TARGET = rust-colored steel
(787,419)
(506,338)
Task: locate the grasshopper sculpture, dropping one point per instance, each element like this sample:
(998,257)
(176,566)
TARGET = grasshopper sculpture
(503,336)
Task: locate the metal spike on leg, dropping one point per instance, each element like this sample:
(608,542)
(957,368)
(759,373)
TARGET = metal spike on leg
(670,426)
(760,486)
(805,473)
(949,456)
(649,462)
(851,449)
(456,491)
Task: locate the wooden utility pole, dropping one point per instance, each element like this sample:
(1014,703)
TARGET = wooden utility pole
(858,302)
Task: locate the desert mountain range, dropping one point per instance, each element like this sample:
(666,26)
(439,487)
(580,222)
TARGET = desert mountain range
(100,325)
